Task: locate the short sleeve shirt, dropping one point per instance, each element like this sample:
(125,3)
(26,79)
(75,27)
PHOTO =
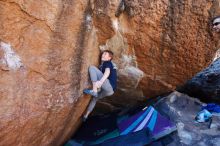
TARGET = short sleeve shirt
(113,74)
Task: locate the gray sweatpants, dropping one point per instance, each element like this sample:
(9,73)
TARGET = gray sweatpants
(106,88)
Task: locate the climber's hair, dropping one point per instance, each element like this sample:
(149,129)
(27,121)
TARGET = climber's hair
(111,54)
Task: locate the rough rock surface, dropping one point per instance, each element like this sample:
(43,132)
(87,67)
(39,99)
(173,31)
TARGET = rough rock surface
(170,41)
(46,47)
(158,45)
(206,84)
(43,68)
(182,109)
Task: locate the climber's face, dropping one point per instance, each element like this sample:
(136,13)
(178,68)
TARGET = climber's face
(106,56)
(216,24)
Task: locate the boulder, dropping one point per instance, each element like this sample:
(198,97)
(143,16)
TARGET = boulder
(46,47)
(158,45)
(206,84)
(182,109)
(43,70)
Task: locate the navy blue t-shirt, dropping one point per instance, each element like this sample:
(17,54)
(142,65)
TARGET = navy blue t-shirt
(113,74)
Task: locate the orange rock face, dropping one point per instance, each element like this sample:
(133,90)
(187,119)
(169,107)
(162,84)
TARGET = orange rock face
(173,44)
(44,58)
(47,46)
(169,41)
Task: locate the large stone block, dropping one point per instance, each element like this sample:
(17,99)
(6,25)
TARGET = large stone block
(47,46)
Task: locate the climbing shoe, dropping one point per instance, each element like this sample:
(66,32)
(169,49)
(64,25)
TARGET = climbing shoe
(90,92)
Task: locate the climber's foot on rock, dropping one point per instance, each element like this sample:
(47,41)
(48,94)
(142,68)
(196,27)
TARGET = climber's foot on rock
(90,92)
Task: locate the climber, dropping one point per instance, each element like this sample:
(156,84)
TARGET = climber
(216,23)
(103,80)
